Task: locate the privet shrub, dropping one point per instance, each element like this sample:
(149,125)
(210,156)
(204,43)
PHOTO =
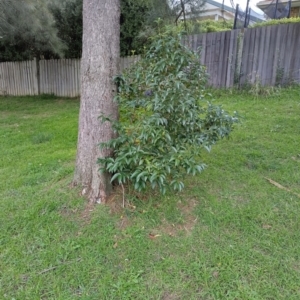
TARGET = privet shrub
(214,26)
(165,119)
(276,22)
(206,26)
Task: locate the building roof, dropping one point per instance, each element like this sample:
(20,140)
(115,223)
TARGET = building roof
(254,16)
(264,4)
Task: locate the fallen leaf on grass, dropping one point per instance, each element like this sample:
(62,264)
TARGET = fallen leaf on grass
(62,263)
(266,226)
(153,236)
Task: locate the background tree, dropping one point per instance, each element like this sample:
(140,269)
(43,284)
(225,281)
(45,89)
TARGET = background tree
(159,9)
(99,63)
(133,18)
(53,28)
(172,12)
(68,22)
(187,9)
(27,30)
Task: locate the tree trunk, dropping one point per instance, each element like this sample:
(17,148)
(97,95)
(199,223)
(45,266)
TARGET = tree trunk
(99,63)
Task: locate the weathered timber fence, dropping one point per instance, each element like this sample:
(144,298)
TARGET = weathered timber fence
(218,52)
(269,55)
(60,77)
(19,78)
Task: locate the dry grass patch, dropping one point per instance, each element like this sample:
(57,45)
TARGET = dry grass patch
(187,224)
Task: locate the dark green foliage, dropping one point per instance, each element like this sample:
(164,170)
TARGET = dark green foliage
(133,15)
(68,21)
(160,9)
(23,50)
(14,52)
(166,120)
(29,39)
(59,32)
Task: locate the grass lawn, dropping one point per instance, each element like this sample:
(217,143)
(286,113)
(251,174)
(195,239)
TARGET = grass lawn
(233,233)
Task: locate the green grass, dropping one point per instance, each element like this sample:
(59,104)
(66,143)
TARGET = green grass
(230,234)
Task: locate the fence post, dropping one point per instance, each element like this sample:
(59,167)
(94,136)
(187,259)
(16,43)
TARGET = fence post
(240,45)
(236,15)
(36,76)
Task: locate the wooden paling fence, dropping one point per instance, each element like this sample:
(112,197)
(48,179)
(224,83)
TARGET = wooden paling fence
(269,55)
(19,78)
(60,77)
(218,52)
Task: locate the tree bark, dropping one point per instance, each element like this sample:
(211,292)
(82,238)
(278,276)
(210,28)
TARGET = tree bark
(99,63)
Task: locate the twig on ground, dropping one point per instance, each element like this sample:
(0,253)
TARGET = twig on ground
(123,195)
(55,267)
(281,186)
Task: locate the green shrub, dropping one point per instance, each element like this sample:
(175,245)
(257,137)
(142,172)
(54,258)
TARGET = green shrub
(214,26)
(207,25)
(276,22)
(165,119)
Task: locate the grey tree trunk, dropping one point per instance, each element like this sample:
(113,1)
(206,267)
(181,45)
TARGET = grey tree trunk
(100,62)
